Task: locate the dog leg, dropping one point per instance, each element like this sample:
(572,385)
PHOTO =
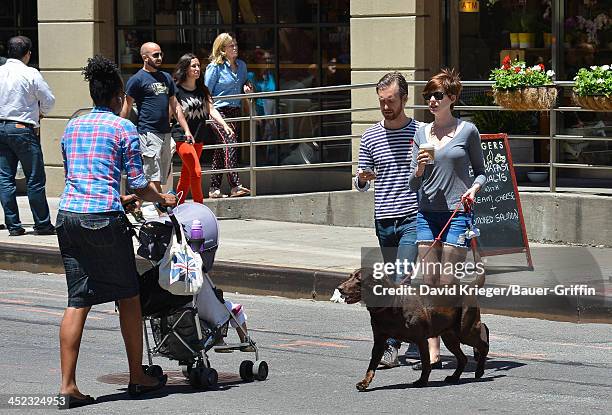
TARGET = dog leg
(478,337)
(451,341)
(483,351)
(425,364)
(377,353)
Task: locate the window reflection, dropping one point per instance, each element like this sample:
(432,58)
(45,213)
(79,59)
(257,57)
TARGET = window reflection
(7,13)
(587,42)
(297,11)
(134,12)
(128,46)
(255,11)
(211,12)
(173,12)
(284,45)
(336,11)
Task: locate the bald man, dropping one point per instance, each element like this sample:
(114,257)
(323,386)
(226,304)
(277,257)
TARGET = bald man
(154,93)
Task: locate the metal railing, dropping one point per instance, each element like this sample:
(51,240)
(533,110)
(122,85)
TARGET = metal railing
(553,165)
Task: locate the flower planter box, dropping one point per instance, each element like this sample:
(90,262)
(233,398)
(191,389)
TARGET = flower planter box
(594,102)
(526,99)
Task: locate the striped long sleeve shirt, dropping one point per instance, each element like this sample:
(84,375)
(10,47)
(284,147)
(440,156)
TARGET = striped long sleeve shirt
(389,154)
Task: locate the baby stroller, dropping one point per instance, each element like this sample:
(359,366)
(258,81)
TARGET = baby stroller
(185,327)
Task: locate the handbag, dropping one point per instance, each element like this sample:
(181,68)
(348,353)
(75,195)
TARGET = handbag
(180,269)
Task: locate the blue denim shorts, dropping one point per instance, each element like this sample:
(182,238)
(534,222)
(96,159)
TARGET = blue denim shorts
(430,224)
(98,256)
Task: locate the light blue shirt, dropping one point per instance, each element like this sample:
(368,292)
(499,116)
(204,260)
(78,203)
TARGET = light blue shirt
(221,80)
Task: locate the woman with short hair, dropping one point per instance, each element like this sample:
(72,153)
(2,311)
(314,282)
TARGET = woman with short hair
(443,183)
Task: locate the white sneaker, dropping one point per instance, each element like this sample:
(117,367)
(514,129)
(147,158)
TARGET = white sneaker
(390,358)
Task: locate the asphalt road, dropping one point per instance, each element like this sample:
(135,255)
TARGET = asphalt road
(316,351)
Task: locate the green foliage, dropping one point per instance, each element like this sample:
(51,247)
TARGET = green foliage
(510,122)
(516,75)
(594,81)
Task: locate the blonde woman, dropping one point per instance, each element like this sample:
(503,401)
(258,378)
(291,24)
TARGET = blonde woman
(226,75)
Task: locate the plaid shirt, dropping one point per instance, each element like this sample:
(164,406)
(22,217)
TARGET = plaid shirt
(96,147)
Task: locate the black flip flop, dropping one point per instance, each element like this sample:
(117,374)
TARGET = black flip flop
(69,402)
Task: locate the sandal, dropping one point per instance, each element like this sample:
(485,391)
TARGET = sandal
(240,191)
(216,194)
(69,401)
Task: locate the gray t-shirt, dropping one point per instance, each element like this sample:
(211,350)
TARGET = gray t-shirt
(442,184)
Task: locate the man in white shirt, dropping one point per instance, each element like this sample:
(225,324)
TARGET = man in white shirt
(24,98)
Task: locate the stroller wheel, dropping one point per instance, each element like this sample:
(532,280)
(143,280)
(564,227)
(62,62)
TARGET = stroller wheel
(246,370)
(194,377)
(209,378)
(260,370)
(154,370)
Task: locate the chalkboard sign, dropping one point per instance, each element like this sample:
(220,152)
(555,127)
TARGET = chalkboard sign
(497,212)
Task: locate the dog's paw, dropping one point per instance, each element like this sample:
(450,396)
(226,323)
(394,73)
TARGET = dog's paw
(479,373)
(419,383)
(451,379)
(362,386)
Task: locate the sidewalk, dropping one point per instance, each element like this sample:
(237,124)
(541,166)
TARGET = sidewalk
(305,260)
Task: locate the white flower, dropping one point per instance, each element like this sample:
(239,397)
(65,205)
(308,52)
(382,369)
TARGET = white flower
(522,65)
(537,68)
(605,67)
(594,67)
(550,73)
(600,81)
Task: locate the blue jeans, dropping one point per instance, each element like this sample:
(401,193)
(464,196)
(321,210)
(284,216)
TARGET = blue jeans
(397,240)
(19,143)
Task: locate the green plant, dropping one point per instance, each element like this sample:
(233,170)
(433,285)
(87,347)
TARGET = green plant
(516,75)
(596,80)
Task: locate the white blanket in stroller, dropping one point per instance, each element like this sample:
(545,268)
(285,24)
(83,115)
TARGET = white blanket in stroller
(210,309)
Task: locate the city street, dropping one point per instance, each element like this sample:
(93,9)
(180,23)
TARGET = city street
(316,351)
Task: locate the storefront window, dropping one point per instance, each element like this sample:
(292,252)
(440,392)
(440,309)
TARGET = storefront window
(587,41)
(296,44)
(477,39)
(19,17)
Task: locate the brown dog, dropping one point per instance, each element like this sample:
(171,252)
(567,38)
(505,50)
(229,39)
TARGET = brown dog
(412,318)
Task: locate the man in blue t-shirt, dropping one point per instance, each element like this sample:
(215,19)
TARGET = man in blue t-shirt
(154,93)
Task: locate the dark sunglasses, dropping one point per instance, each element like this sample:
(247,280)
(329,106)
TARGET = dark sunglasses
(438,95)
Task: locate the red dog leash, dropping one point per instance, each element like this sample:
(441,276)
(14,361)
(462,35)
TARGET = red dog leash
(468,205)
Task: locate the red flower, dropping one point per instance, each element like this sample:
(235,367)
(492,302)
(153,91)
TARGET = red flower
(541,66)
(517,69)
(507,60)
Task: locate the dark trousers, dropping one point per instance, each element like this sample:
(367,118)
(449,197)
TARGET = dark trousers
(19,143)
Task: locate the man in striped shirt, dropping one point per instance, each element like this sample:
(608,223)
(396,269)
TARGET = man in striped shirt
(385,153)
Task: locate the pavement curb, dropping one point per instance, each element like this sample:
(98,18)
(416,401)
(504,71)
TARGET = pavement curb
(289,282)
